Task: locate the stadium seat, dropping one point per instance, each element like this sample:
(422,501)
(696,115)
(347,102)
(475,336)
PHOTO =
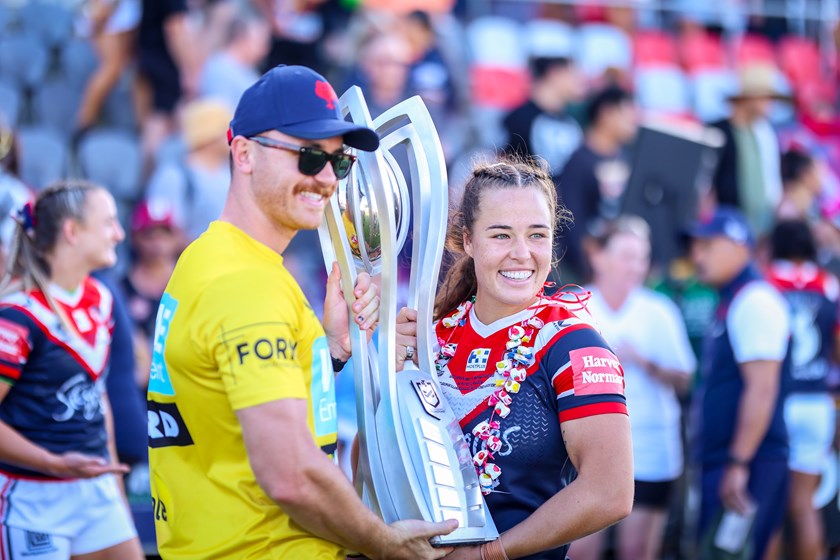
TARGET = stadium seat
(44,156)
(700,52)
(496,40)
(5,17)
(55,104)
(663,89)
(710,91)
(52,23)
(654,48)
(78,62)
(498,86)
(799,59)
(487,122)
(118,111)
(112,158)
(751,49)
(10,105)
(601,47)
(549,38)
(23,59)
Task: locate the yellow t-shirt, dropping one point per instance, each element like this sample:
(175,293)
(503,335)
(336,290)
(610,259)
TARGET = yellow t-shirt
(233,330)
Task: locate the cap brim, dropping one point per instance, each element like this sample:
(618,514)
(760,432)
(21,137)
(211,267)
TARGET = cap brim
(353,135)
(701,231)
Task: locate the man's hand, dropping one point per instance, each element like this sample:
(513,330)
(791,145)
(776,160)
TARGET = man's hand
(409,539)
(733,488)
(336,315)
(406,335)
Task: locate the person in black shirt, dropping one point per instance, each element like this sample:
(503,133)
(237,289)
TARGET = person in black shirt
(541,127)
(593,180)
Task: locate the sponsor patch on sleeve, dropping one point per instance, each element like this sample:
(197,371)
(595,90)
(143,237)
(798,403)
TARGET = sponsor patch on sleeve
(14,342)
(596,371)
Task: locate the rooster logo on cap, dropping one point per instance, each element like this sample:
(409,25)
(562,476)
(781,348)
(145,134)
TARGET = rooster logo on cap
(326,92)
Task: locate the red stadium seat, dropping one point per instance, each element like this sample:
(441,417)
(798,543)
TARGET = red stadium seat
(654,48)
(752,49)
(701,51)
(799,59)
(500,87)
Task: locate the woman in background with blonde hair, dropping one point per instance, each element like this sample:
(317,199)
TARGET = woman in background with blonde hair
(59,497)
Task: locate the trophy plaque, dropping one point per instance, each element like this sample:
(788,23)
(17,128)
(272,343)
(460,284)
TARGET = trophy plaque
(414,462)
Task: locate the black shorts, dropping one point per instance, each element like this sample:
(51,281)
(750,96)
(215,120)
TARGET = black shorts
(654,495)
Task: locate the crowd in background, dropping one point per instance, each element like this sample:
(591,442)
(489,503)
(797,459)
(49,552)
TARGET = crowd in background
(137,95)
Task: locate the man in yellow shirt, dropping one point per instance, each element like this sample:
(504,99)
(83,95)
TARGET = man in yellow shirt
(242,414)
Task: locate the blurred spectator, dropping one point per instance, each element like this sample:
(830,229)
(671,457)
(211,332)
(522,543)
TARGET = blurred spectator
(747,173)
(196,187)
(594,178)
(648,335)
(812,294)
(297,27)
(229,72)
(167,56)
(13,193)
(128,404)
(801,187)
(429,75)
(541,126)
(111,26)
(743,443)
(383,71)
(156,242)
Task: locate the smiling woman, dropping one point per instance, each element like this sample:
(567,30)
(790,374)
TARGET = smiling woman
(538,393)
(57,453)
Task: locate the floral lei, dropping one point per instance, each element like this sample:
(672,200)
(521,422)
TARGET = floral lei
(510,373)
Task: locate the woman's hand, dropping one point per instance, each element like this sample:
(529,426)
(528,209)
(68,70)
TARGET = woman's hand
(79,465)
(365,311)
(406,337)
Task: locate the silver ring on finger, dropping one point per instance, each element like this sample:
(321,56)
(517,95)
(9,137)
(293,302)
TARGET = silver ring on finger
(409,353)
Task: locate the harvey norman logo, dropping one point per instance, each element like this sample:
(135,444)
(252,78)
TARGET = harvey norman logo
(596,371)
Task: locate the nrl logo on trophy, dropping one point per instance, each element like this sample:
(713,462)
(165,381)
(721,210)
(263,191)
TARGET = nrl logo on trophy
(414,462)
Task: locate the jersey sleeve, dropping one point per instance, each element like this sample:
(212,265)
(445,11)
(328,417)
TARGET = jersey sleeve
(587,378)
(15,344)
(759,324)
(254,340)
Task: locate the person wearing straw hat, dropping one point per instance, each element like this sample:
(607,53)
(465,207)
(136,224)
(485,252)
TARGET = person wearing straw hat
(747,175)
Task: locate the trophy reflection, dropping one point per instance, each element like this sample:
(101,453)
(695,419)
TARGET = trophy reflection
(414,462)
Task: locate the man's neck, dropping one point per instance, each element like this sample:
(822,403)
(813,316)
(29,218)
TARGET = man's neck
(243,213)
(601,142)
(547,99)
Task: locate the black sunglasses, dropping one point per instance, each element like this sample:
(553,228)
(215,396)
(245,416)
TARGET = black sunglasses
(311,160)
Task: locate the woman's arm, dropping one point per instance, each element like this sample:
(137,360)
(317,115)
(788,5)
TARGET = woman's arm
(601,495)
(17,450)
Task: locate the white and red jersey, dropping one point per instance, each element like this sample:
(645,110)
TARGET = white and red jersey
(574,374)
(56,375)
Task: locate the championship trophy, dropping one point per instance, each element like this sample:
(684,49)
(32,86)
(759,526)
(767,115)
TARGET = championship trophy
(414,462)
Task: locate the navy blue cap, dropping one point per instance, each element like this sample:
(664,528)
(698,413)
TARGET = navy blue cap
(728,222)
(299,102)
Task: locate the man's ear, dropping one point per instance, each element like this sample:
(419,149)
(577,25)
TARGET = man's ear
(242,155)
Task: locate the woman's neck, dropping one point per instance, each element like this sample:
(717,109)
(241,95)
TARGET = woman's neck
(66,275)
(490,313)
